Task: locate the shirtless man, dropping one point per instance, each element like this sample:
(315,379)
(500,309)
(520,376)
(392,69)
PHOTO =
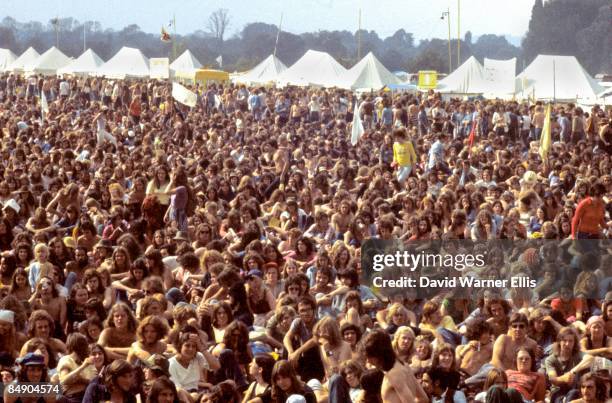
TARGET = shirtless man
(118,335)
(590,391)
(150,333)
(334,351)
(41,325)
(46,297)
(399,384)
(342,219)
(506,345)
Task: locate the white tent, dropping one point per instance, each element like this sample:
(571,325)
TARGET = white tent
(370,74)
(557,77)
(49,62)
(86,64)
(128,62)
(6,59)
(499,76)
(186,63)
(27,58)
(265,72)
(466,79)
(315,68)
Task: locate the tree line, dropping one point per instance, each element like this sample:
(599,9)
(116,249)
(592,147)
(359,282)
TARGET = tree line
(568,27)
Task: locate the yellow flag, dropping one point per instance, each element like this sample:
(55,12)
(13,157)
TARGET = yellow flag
(545,139)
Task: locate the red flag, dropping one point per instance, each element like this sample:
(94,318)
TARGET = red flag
(165,36)
(472,135)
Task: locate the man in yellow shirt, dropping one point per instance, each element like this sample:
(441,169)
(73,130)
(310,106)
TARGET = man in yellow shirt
(404,156)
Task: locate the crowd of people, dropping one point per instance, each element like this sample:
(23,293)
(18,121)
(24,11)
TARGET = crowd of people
(154,252)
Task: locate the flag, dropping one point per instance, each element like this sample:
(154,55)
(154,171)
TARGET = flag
(44,106)
(472,135)
(357,126)
(183,95)
(165,36)
(545,139)
(220,61)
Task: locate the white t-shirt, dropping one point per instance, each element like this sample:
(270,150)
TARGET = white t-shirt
(64,88)
(187,378)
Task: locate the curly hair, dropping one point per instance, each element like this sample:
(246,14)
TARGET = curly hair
(159,324)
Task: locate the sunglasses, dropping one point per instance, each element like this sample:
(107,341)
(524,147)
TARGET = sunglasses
(518,326)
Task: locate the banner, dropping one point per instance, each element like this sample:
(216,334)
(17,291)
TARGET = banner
(183,95)
(428,79)
(545,140)
(499,76)
(159,67)
(357,126)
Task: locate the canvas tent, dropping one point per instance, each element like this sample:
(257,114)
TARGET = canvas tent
(86,64)
(6,59)
(370,74)
(466,79)
(265,72)
(185,64)
(128,62)
(49,62)
(317,69)
(499,76)
(27,59)
(556,77)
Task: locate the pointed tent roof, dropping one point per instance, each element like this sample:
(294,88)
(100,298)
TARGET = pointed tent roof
(186,62)
(266,71)
(369,73)
(49,62)
(6,59)
(27,58)
(128,62)
(86,64)
(466,79)
(570,80)
(315,68)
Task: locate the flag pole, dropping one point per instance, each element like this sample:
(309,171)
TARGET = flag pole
(554,82)
(359,37)
(280,24)
(173,37)
(458,33)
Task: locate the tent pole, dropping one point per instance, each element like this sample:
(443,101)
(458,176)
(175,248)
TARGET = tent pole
(278,34)
(554,83)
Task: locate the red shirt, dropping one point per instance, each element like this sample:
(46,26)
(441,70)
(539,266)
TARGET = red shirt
(588,216)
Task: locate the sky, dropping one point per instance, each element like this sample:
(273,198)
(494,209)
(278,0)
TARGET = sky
(421,17)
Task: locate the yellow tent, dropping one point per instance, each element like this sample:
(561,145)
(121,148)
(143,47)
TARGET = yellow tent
(203,75)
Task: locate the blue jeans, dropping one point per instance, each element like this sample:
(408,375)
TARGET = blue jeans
(403,173)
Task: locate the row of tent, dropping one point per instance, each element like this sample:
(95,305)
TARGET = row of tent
(314,68)
(547,77)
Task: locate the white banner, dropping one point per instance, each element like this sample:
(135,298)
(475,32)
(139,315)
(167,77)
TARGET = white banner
(183,95)
(499,76)
(159,67)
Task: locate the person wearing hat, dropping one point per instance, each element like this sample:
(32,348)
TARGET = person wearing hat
(10,339)
(32,369)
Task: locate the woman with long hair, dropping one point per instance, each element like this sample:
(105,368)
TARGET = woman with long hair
(163,390)
(286,383)
(403,344)
(260,370)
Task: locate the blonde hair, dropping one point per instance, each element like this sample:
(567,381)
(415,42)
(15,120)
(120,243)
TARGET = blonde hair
(39,248)
(401,331)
